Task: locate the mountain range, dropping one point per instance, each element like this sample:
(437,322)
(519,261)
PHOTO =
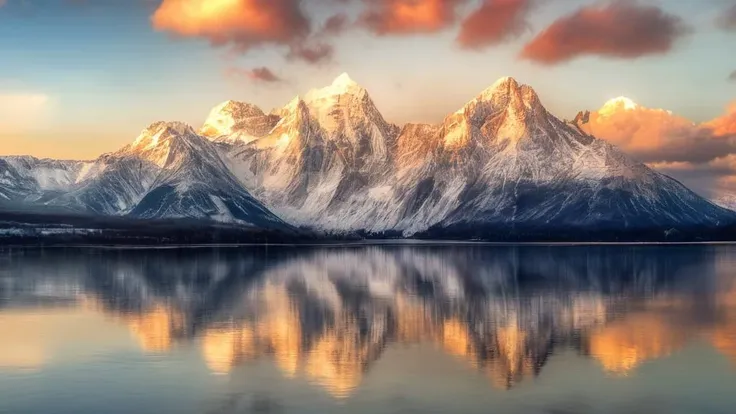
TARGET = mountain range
(330,162)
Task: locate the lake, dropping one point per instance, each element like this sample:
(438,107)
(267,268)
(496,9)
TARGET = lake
(369,329)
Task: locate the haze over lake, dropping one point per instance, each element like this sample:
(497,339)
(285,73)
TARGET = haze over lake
(369,329)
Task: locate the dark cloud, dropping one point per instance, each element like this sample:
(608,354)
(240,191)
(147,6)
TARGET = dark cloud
(732,76)
(261,74)
(335,25)
(727,19)
(314,53)
(404,17)
(493,22)
(621,29)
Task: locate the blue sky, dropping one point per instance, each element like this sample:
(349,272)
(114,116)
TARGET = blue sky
(83,77)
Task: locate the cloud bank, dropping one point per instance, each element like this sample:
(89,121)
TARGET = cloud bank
(701,155)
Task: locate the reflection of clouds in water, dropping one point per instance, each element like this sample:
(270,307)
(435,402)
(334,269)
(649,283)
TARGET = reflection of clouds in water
(327,315)
(623,345)
(723,335)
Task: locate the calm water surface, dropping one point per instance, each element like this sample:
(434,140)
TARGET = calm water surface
(369,329)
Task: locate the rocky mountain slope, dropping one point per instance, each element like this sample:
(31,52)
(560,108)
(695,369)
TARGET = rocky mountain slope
(168,172)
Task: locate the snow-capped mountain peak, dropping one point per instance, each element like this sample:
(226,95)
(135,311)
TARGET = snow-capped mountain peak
(507,90)
(155,143)
(504,83)
(345,109)
(237,122)
(342,85)
(224,117)
(158,132)
(506,96)
(239,108)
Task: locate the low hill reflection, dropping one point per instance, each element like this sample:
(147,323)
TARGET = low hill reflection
(328,314)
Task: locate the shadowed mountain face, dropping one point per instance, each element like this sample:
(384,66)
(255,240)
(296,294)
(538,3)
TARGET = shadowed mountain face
(330,315)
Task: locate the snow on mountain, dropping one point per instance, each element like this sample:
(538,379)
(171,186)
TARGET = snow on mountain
(523,166)
(726,201)
(323,157)
(233,122)
(167,172)
(15,183)
(193,181)
(111,186)
(25,176)
(333,162)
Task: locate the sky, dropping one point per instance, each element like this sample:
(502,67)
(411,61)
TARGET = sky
(82,77)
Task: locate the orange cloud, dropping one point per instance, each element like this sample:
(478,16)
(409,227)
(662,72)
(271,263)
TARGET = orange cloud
(726,124)
(493,22)
(622,29)
(401,17)
(240,23)
(656,135)
(638,130)
(703,155)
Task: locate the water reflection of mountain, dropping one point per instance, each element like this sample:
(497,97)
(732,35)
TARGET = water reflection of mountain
(328,314)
